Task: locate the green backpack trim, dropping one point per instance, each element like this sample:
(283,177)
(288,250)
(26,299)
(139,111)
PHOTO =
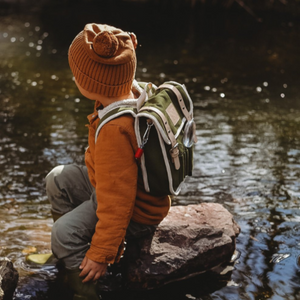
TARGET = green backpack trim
(166,161)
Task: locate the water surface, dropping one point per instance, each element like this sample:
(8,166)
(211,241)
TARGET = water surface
(246,95)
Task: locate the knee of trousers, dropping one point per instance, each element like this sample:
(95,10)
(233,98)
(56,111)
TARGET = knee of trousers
(59,238)
(51,187)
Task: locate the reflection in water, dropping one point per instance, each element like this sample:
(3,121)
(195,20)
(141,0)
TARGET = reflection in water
(247,155)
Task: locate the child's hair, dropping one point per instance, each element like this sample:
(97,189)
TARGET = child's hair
(103,61)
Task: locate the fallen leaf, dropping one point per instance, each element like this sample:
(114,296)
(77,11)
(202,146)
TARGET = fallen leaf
(39,258)
(29,250)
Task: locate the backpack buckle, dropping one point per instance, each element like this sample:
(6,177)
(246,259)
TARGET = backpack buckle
(140,150)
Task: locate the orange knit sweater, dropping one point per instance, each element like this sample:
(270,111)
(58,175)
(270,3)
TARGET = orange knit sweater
(121,197)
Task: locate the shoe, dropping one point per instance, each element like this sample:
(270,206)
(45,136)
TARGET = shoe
(82,291)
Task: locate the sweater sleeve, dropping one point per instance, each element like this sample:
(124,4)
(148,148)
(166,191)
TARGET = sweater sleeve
(116,174)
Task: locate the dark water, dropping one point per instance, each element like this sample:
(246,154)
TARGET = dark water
(244,80)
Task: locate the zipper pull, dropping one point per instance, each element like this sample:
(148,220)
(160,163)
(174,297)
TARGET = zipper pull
(140,150)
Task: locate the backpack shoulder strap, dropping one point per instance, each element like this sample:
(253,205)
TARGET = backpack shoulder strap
(115,110)
(130,106)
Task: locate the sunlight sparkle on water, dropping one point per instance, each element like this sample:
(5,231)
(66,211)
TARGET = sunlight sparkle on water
(244,159)
(54,77)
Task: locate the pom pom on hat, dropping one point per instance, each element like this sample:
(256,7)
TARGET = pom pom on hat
(105,44)
(103,61)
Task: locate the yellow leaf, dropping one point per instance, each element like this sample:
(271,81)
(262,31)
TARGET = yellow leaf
(29,250)
(39,258)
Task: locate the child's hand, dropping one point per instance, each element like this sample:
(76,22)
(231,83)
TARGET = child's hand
(92,269)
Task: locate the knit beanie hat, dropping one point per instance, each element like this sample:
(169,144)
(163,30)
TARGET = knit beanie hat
(102,59)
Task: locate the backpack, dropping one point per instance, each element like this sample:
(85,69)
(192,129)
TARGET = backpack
(165,152)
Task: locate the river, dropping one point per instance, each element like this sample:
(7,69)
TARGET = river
(245,88)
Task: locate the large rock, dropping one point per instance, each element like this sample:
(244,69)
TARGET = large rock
(9,277)
(191,240)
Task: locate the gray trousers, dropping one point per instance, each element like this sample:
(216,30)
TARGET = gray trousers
(72,195)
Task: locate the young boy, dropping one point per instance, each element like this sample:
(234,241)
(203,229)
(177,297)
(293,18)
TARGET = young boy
(95,207)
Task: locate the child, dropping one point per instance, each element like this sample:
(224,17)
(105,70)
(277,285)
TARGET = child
(95,207)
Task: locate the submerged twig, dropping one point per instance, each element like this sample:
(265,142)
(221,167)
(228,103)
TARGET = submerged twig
(248,9)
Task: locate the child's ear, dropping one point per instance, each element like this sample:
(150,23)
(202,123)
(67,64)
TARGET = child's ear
(133,39)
